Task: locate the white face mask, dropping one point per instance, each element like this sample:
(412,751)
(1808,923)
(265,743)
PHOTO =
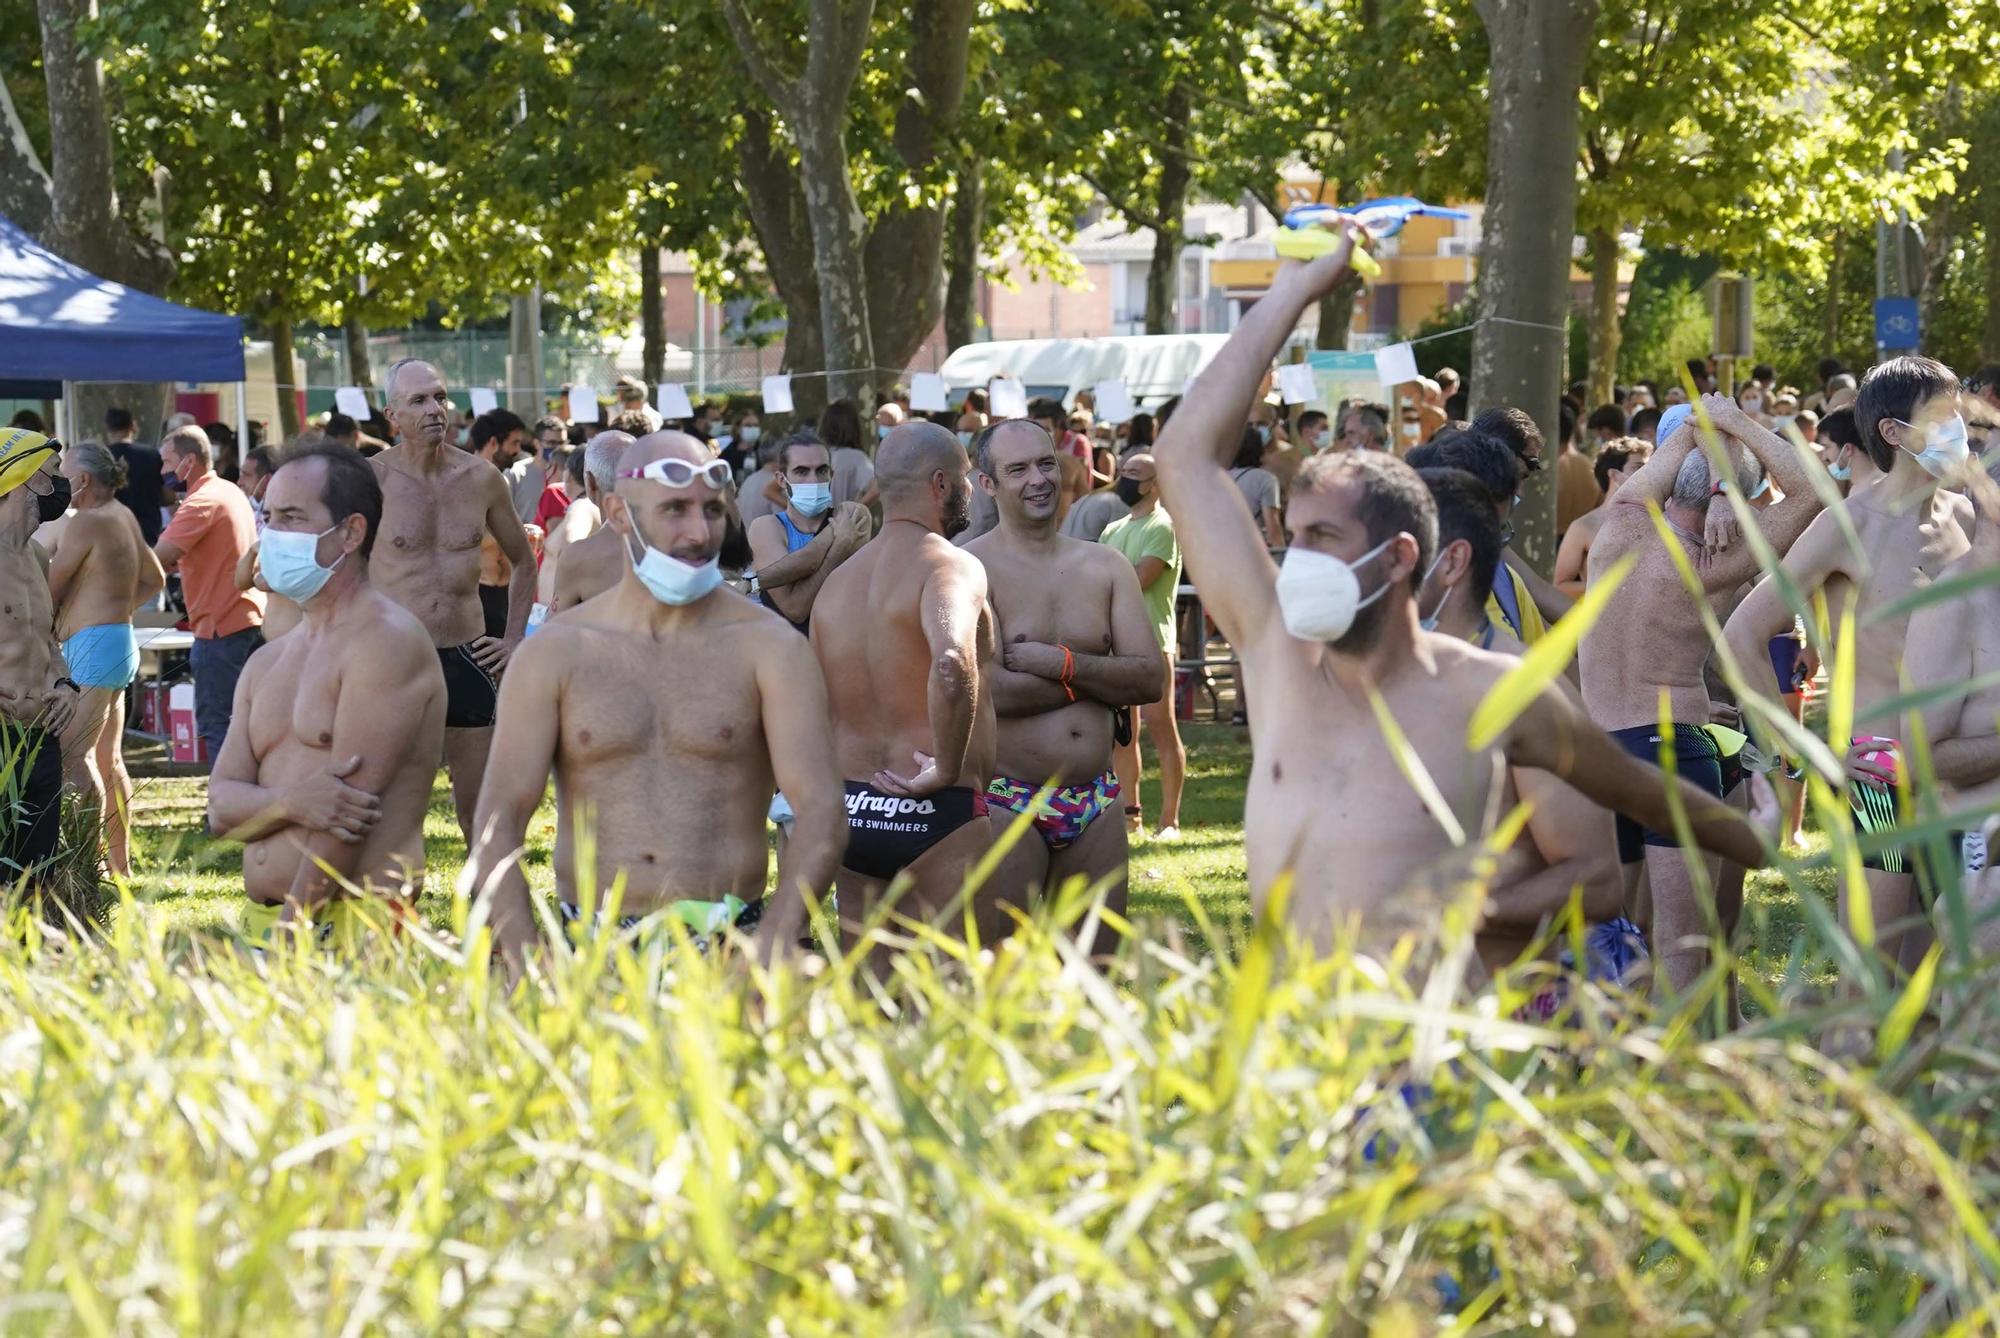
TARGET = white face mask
(1319,595)
(672,581)
(1945,446)
(1430,622)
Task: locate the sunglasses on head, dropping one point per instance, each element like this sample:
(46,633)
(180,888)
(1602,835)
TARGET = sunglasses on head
(678,473)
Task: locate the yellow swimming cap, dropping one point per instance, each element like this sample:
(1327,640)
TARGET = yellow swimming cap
(21,453)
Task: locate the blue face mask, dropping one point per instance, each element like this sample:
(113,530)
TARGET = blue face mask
(965,439)
(1264,433)
(1841,473)
(882,431)
(290,563)
(812,499)
(672,581)
(1945,446)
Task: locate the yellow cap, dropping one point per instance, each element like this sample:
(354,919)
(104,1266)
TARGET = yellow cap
(21,453)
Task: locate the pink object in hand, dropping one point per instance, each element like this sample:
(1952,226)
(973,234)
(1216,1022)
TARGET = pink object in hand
(1882,759)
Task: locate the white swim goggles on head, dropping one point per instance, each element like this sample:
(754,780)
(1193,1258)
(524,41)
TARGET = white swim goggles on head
(678,473)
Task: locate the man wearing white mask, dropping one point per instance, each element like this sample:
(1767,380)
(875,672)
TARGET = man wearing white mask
(1365,826)
(793,551)
(325,774)
(669,708)
(1910,529)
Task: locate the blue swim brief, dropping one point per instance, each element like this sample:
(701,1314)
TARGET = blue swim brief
(104,656)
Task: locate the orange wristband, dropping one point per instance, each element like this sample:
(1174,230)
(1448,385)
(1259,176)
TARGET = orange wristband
(1068,672)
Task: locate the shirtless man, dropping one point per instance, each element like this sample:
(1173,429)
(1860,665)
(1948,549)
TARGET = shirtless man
(102,571)
(37,696)
(1569,845)
(596,562)
(437,502)
(1910,529)
(1329,802)
(574,525)
(326,772)
(1077,648)
(906,640)
(669,708)
(1615,462)
(795,549)
(1650,639)
(1957,642)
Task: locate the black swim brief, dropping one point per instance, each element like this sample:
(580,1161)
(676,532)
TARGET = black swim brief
(886,833)
(493,606)
(1697,760)
(471,695)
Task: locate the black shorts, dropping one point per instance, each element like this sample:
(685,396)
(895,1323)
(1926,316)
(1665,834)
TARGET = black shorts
(470,693)
(886,833)
(1697,760)
(493,601)
(31,805)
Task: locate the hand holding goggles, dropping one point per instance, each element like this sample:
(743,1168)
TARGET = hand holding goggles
(678,473)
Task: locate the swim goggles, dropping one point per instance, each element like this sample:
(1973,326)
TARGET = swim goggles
(679,473)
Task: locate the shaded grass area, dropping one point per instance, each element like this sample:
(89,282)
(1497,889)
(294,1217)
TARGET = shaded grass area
(195,881)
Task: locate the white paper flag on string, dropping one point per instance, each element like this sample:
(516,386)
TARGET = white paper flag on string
(1114,402)
(582,404)
(1006,397)
(1395,364)
(777,394)
(1296,383)
(671,399)
(352,401)
(927,393)
(483,400)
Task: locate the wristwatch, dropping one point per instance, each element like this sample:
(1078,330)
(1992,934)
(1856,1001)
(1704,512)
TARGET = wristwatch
(67,682)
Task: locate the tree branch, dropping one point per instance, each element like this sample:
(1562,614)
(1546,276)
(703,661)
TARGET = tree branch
(1129,212)
(762,69)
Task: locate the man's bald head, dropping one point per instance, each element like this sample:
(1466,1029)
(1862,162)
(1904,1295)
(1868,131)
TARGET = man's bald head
(686,522)
(668,444)
(921,470)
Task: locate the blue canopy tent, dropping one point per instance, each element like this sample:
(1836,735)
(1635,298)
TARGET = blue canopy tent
(61,323)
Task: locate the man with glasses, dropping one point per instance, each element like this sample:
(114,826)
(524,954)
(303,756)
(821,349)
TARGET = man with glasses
(669,711)
(438,502)
(793,551)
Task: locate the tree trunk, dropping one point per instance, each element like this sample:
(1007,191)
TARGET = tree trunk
(1989,207)
(839,237)
(284,371)
(1336,313)
(1605,334)
(778,217)
(84,223)
(1538,49)
(652,317)
(24,184)
(1940,232)
(1170,213)
(360,369)
(1829,330)
(968,225)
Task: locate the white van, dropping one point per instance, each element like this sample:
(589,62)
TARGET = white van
(1155,368)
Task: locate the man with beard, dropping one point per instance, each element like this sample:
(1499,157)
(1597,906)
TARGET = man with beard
(1075,640)
(668,708)
(905,637)
(438,502)
(1362,821)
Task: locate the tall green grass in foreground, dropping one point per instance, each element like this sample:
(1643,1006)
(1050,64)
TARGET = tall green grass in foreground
(200,1141)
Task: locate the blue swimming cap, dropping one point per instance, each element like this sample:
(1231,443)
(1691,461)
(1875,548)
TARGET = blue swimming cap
(1670,422)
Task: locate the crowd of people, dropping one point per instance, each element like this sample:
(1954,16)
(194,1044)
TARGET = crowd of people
(904,641)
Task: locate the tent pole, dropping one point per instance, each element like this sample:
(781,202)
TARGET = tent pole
(242,421)
(64,414)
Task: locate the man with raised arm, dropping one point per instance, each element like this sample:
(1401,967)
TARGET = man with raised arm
(1076,648)
(1334,637)
(668,708)
(326,772)
(438,502)
(1910,529)
(1649,640)
(905,636)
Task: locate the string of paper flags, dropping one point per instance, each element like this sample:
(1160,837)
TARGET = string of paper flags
(1006,396)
